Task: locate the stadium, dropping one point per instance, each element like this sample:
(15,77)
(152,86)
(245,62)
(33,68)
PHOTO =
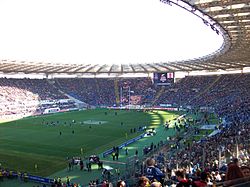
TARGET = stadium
(124,93)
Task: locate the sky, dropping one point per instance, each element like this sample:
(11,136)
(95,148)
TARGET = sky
(101,32)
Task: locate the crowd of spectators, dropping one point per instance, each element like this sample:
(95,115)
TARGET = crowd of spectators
(23,96)
(102,91)
(227,94)
(142,87)
(184,90)
(197,163)
(96,92)
(213,153)
(219,160)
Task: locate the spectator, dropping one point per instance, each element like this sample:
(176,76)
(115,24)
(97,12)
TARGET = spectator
(153,173)
(121,183)
(233,174)
(156,184)
(143,182)
(202,182)
(246,171)
(181,178)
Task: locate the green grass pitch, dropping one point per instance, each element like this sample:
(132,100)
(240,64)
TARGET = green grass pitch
(37,141)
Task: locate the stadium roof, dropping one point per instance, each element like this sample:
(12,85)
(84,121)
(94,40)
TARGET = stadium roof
(229,18)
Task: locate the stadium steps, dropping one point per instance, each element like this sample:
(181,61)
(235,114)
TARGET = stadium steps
(117,96)
(158,95)
(97,86)
(210,86)
(57,85)
(206,89)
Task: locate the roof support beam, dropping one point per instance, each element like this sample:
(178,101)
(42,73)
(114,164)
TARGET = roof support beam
(220,3)
(81,67)
(91,67)
(229,11)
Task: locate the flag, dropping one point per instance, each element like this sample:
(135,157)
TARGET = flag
(170,75)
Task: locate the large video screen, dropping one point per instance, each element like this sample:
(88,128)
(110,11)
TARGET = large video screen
(164,78)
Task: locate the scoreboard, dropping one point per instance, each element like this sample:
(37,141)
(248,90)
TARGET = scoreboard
(164,78)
